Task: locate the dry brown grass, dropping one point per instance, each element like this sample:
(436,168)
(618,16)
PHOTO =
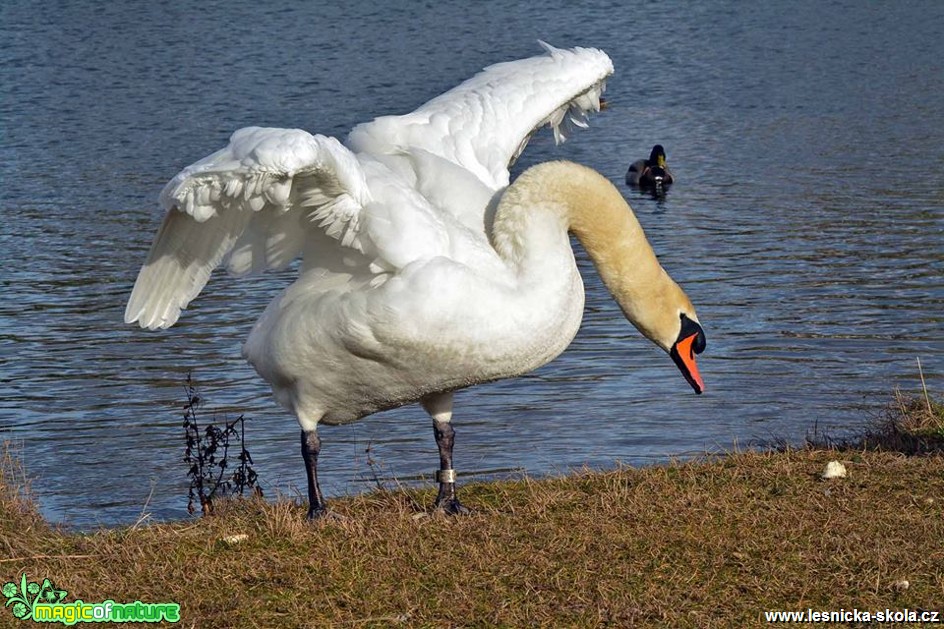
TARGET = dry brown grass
(912,425)
(699,544)
(17,507)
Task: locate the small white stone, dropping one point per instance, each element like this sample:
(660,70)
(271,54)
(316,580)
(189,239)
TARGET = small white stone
(235,539)
(834,469)
(902,585)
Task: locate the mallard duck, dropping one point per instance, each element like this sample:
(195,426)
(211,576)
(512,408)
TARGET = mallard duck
(650,173)
(423,270)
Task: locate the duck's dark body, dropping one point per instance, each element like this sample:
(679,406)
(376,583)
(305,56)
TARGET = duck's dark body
(652,172)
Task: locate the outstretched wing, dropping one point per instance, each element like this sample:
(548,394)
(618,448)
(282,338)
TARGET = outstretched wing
(484,123)
(251,200)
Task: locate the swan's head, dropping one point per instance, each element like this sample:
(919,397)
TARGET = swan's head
(667,318)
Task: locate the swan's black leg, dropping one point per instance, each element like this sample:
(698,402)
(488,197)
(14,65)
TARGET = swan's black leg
(445,439)
(311,445)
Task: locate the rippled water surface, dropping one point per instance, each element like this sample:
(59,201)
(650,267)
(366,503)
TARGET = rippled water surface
(806,224)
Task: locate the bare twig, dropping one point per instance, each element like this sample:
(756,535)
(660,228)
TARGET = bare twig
(144,515)
(924,386)
(32,557)
(207,454)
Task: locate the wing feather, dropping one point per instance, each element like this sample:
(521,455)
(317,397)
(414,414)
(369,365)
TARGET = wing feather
(484,123)
(179,265)
(251,201)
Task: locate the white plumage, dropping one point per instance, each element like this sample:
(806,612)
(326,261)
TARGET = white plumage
(269,187)
(406,292)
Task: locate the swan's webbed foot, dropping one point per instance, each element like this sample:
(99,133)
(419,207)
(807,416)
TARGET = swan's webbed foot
(323,514)
(317,512)
(452,506)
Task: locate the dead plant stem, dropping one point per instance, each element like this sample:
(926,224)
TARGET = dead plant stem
(924,386)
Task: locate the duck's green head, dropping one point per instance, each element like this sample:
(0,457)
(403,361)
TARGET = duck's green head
(657,156)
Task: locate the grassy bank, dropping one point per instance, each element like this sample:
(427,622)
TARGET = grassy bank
(700,544)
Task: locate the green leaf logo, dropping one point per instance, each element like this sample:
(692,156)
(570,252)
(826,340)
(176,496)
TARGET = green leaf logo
(24,596)
(49,594)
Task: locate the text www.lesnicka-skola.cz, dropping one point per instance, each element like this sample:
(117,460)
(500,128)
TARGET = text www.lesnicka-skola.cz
(854,615)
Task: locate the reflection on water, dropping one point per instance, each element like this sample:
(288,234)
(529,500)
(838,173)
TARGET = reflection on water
(805,223)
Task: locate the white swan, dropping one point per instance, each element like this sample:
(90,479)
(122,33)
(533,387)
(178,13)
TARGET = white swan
(419,276)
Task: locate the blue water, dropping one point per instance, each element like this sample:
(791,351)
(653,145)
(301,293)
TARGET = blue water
(807,225)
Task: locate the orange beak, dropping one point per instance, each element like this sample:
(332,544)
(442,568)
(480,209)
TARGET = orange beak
(683,354)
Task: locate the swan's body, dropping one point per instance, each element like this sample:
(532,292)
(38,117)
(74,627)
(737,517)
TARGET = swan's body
(650,173)
(420,276)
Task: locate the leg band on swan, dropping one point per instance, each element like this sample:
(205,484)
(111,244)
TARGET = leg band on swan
(445,476)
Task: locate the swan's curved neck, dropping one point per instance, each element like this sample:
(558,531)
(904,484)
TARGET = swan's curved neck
(580,200)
